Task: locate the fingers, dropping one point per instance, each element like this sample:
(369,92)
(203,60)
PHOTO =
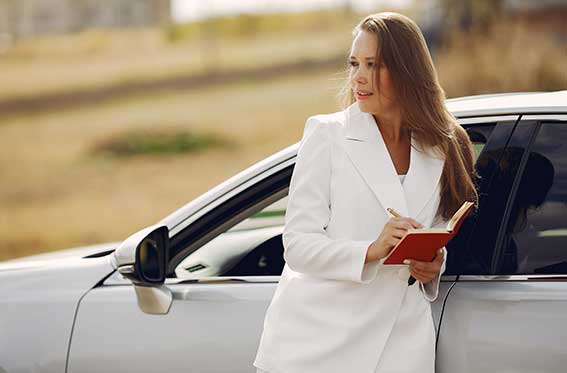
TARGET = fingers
(436,262)
(399,233)
(400,223)
(423,278)
(419,277)
(440,256)
(416,224)
(427,270)
(432,267)
(404,223)
(424,273)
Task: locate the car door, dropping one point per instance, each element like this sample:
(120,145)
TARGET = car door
(225,270)
(507,311)
(479,131)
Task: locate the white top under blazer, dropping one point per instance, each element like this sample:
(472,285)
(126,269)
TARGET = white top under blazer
(331,312)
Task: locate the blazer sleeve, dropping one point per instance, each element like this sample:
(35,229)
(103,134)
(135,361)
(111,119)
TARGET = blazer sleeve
(430,289)
(307,247)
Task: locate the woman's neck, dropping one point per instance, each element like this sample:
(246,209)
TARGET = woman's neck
(390,126)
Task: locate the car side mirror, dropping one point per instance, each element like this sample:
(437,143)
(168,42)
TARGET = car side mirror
(151,257)
(142,258)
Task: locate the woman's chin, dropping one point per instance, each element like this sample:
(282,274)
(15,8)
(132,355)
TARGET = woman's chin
(365,107)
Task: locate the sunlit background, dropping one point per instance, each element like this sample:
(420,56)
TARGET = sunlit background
(113,113)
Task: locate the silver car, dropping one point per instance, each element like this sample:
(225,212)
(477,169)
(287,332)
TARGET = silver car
(190,293)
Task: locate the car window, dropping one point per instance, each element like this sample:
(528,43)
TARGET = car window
(535,239)
(479,135)
(226,214)
(271,216)
(253,247)
(471,252)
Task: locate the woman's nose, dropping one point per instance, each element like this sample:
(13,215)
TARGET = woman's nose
(360,77)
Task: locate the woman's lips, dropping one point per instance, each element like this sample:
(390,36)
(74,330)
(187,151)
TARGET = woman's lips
(363,95)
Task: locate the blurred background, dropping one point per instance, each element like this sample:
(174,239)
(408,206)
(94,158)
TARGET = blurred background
(114,113)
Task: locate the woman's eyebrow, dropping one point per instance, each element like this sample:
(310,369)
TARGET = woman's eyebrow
(366,58)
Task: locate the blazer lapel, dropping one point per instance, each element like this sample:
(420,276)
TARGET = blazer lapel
(366,148)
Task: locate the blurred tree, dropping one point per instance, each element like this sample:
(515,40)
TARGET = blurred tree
(469,15)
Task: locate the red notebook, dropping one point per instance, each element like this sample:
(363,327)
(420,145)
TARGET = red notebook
(422,244)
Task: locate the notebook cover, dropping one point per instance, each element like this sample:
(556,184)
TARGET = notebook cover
(418,246)
(422,246)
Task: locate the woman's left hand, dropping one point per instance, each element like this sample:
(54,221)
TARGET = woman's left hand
(427,271)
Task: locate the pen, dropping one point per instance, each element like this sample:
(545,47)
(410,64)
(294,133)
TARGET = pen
(395,214)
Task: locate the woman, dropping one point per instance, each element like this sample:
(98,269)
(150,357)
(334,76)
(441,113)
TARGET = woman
(337,307)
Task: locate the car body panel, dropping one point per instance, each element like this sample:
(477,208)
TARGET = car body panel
(211,327)
(224,317)
(37,311)
(509,103)
(445,286)
(504,326)
(47,258)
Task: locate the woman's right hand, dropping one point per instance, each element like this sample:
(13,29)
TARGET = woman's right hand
(393,231)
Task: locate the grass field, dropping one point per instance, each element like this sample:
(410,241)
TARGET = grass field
(59,194)
(57,191)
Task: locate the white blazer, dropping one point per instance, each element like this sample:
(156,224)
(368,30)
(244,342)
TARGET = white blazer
(331,312)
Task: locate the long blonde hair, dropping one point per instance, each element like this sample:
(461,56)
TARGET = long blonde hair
(402,48)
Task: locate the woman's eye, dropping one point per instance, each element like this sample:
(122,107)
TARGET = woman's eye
(370,64)
(352,63)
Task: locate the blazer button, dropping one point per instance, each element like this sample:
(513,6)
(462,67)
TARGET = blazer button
(403,274)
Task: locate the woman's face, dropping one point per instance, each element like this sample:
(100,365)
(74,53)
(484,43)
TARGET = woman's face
(371,97)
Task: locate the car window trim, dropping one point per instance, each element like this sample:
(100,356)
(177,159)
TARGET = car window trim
(547,117)
(238,202)
(487,120)
(538,122)
(498,249)
(548,277)
(243,185)
(495,121)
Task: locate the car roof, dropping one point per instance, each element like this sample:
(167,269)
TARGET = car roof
(509,103)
